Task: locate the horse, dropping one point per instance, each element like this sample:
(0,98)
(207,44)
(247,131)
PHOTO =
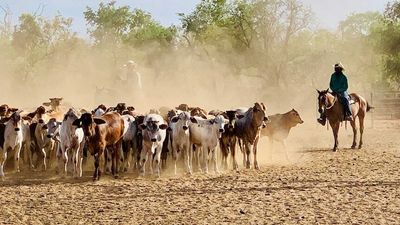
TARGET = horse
(334,111)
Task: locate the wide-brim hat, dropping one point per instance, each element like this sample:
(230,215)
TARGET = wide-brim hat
(338,66)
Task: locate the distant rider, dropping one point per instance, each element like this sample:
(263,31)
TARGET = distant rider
(339,86)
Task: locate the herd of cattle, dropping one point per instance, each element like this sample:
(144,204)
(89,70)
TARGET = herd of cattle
(120,139)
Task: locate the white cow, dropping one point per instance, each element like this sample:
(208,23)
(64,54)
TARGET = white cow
(11,140)
(153,132)
(205,134)
(180,140)
(44,144)
(71,144)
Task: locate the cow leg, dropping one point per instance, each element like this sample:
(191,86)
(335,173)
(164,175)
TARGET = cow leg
(246,153)
(44,154)
(214,159)
(186,153)
(233,153)
(354,127)
(255,146)
(142,162)
(107,161)
(117,150)
(17,157)
(157,161)
(3,159)
(66,159)
(190,159)
(175,157)
(96,174)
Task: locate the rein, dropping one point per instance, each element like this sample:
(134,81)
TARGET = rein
(333,103)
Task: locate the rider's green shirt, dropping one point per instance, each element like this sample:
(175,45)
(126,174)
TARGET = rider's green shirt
(338,82)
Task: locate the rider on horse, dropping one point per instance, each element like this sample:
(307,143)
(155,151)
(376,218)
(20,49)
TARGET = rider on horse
(339,86)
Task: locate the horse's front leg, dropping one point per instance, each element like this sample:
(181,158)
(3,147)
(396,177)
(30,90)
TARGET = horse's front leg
(335,130)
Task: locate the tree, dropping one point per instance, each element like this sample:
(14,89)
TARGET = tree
(388,44)
(36,39)
(117,26)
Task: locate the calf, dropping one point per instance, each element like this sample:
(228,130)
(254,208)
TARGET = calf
(103,132)
(71,144)
(129,142)
(54,104)
(11,139)
(180,139)
(228,140)
(248,129)
(153,133)
(44,143)
(280,125)
(204,133)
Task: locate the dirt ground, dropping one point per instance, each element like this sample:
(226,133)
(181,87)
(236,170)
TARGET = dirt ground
(315,186)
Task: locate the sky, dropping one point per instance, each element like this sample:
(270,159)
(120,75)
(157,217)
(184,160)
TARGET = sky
(328,13)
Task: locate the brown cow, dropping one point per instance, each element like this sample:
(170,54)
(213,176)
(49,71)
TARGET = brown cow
(248,130)
(103,132)
(279,127)
(54,104)
(6,111)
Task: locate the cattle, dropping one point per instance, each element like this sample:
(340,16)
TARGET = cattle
(6,111)
(129,142)
(71,144)
(100,110)
(280,125)
(54,104)
(179,140)
(205,134)
(248,129)
(197,111)
(101,133)
(37,115)
(44,143)
(120,108)
(11,138)
(153,134)
(228,140)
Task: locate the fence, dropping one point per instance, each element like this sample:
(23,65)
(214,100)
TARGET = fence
(386,105)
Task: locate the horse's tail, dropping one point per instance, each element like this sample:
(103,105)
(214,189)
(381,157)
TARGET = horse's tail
(369,107)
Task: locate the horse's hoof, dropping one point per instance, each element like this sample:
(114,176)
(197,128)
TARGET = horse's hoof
(334,150)
(359,147)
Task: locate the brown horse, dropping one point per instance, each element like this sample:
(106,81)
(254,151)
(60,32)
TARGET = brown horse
(334,111)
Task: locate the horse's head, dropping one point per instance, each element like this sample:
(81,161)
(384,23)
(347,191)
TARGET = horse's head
(322,100)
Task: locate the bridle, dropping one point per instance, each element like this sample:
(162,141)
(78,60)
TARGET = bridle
(328,106)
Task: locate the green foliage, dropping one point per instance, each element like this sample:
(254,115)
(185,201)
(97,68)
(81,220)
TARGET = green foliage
(110,24)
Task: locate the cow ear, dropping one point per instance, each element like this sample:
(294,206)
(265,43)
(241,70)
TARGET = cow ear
(99,121)
(142,126)
(13,109)
(212,121)
(163,126)
(59,123)
(77,123)
(240,116)
(193,120)
(174,119)
(44,127)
